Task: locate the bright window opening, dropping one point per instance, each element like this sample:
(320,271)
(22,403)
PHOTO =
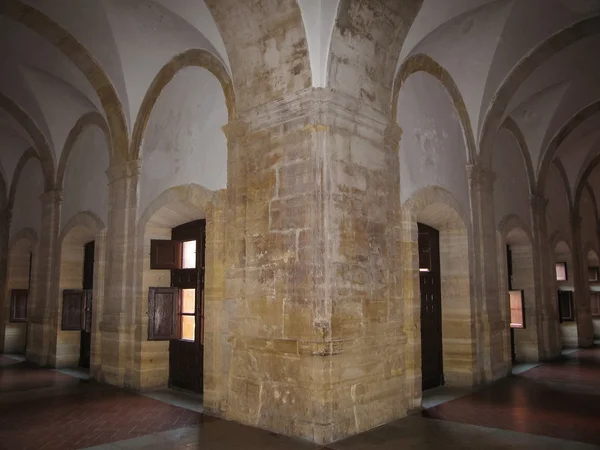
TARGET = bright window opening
(561,271)
(189,255)
(517,319)
(188,301)
(188,328)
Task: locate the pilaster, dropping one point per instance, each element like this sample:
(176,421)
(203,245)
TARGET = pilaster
(549,341)
(117,322)
(581,303)
(489,322)
(43,317)
(5,220)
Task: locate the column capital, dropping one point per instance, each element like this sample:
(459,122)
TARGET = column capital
(392,135)
(480,177)
(538,202)
(52,196)
(123,169)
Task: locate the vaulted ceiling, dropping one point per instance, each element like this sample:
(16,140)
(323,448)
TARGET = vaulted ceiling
(534,63)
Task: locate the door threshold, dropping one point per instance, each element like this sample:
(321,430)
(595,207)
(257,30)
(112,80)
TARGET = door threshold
(176,397)
(77,372)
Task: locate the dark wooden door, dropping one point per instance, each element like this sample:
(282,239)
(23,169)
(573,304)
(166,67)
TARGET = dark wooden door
(186,354)
(88,286)
(431,307)
(509,263)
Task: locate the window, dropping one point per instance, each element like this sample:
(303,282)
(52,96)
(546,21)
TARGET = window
(18,305)
(424,252)
(561,271)
(595,304)
(593,274)
(188,314)
(565,306)
(189,255)
(517,309)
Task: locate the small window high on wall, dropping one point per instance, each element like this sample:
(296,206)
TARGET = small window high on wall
(561,271)
(595,304)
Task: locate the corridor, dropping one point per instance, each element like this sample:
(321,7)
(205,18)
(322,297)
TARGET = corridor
(551,406)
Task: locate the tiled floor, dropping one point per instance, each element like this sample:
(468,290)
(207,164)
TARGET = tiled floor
(551,406)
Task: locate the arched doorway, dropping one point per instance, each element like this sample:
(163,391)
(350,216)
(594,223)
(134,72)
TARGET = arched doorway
(174,277)
(431,219)
(517,285)
(17,307)
(566,288)
(593,264)
(80,294)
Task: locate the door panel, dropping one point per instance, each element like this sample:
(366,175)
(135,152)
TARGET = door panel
(431,308)
(186,354)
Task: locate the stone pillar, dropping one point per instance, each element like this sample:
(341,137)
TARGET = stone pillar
(118,313)
(549,340)
(581,302)
(315,320)
(5,219)
(490,326)
(43,309)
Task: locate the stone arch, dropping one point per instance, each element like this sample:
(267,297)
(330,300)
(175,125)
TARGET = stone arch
(423,63)
(42,148)
(87,120)
(190,58)
(534,59)
(583,182)
(25,157)
(558,236)
(82,228)
(437,208)
(21,265)
(83,60)
(514,233)
(559,138)
(176,206)
(250,30)
(511,126)
(565,180)
(381,25)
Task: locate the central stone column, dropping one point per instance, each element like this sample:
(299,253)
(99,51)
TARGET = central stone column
(5,219)
(313,276)
(489,320)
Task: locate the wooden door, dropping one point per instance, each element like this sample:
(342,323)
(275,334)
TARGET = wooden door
(431,307)
(186,354)
(88,286)
(509,263)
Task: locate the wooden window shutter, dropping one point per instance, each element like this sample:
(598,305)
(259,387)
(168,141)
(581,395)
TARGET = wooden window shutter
(165,254)
(163,313)
(73,309)
(18,305)
(87,313)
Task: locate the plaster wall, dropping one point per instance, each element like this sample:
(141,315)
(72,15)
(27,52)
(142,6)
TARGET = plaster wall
(85,183)
(511,195)
(589,233)
(558,203)
(184,142)
(432,149)
(27,211)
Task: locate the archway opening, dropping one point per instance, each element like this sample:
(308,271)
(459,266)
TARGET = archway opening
(80,298)
(566,288)
(455,313)
(593,264)
(518,284)
(18,287)
(171,309)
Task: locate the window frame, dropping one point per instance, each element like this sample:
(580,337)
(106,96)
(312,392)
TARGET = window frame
(563,263)
(14,296)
